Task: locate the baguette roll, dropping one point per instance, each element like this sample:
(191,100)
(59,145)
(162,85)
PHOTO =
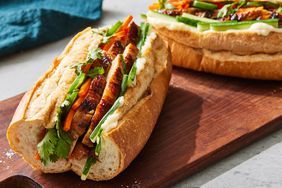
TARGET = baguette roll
(253,51)
(124,132)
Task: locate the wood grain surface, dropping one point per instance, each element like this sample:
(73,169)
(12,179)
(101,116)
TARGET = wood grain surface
(204,119)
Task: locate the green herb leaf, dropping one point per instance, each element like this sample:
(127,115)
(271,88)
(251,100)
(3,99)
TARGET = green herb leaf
(279,10)
(95,54)
(89,162)
(162,4)
(92,56)
(46,148)
(231,8)
(96,71)
(51,147)
(240,4)
(62,148)
(143,16)
(225,10)
(53,158)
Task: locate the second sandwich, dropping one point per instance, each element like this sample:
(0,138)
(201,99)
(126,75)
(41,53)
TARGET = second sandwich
(234,38)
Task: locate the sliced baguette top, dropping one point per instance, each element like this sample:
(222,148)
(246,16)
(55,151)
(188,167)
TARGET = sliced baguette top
(240,42)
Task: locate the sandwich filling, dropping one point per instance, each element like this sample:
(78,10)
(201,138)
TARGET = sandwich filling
(95,95)
(220,15)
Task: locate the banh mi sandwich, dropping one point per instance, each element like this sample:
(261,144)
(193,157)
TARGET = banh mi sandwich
(235,38)
(95,108)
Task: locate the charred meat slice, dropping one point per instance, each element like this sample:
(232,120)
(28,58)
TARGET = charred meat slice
(79,152)
(84,113)
(133,34)
(104,62)
(171,12)
(117,48)
(130,54)
(110,95)
(252,13)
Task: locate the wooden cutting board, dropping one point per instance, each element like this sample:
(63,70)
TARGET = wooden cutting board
(204,119)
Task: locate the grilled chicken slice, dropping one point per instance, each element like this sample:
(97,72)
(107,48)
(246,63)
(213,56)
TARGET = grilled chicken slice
(117,48)
(80,151)
(133,34)
(109,97)
(130,55)
(171,12)
(252,13)
(110,94)
(105,62)
(84,113)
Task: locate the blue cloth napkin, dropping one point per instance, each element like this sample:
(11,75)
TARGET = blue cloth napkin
(28,23)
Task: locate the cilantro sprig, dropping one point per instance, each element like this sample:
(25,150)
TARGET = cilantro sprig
(96,71)
(47,147)
(231,8)
(162,3)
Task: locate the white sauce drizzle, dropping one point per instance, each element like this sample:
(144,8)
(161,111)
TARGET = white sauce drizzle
(259,28)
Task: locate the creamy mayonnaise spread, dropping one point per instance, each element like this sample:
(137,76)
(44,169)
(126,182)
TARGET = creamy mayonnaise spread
(259,28)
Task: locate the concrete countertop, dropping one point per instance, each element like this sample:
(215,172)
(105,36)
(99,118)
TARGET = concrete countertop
(258,165)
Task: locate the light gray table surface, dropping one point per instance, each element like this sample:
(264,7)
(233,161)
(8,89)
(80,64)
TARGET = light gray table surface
(258,165)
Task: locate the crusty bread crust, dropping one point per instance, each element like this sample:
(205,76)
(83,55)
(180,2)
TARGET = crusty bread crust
(257,66)
(240,43)
(121,144)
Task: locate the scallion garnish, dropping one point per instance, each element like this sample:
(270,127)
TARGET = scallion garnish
(91,160)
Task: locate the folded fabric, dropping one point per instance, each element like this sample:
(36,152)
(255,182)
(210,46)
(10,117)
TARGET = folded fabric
(28,23)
